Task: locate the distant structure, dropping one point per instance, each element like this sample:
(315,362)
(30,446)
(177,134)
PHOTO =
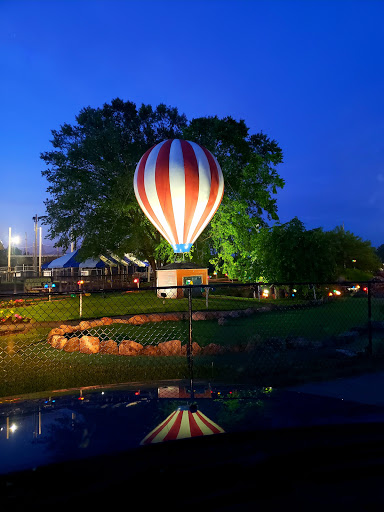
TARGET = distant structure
(180,274)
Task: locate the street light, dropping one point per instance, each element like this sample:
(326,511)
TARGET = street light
(15,240)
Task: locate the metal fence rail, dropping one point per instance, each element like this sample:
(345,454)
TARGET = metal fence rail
(241,334)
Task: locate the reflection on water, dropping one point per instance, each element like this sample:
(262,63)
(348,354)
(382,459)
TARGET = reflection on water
(92,422)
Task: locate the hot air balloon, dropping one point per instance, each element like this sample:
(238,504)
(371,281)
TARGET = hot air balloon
(183,423)
(179,186)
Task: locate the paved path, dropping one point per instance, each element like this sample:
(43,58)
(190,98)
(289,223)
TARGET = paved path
(366,389)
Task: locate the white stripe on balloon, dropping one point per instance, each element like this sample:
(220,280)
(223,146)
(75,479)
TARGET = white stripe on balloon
(138,197)
(204,188)
(217,201)
(177,186)
(150,189)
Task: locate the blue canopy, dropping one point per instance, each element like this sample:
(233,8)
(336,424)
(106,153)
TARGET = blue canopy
(91,263)
(65,261)
(70,261)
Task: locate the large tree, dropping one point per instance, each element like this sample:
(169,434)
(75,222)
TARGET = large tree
(353,255)
(90,175)
(251,181)
(290,253)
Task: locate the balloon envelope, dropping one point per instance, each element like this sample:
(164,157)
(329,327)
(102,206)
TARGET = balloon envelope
(179,185)
(181,424)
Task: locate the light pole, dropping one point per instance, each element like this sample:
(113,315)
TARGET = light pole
(9,249)
(40,249)
(16,240)
(36,219)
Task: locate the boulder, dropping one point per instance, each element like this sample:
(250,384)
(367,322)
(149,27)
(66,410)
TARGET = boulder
(239,347)
(72,345)
(196,349)
(138,320)
(154,317)
(130,348)
(84,325)
(170,348)
(109,347)
(107,321)
(222,321)
(213,349)
(199,315)
(249,311)
(264,309)
(150,350)
(89,345)
(95,323)
(58,341)
(174,317)
(67,328)
(58,331)
(214,315)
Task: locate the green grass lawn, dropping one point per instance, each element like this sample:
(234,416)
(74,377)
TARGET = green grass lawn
(29,364)
(97,305)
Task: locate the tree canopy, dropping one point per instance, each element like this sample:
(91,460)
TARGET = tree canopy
(380,252)
(290,253)
(90,174)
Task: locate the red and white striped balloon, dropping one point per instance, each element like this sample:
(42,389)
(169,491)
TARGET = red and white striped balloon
(181,424)
(179,186)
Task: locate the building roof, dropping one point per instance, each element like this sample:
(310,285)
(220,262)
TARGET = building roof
(181,265)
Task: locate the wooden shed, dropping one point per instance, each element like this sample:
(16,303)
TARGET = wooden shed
(180,274)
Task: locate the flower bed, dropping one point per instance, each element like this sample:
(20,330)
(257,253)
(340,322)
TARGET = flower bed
(11,322)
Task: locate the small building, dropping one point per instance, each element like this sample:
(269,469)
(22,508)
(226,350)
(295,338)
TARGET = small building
(180,274)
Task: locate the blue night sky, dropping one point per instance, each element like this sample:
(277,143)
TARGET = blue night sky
(309,74)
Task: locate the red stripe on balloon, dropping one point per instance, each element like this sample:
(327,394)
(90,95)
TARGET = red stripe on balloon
(213,192)
(158,430)
(163,187)
(191,172)
(194,427)
(210,425)
(175,429)
(141,188)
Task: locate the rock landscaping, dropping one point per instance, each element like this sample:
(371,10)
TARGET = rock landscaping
(60,338)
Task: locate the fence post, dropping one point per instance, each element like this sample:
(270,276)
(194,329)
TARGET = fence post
(369,348)
(189,345)
(81,304)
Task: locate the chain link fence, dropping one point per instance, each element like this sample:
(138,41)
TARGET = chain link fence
(226,333)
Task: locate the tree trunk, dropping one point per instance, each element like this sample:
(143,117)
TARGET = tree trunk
(152,262)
